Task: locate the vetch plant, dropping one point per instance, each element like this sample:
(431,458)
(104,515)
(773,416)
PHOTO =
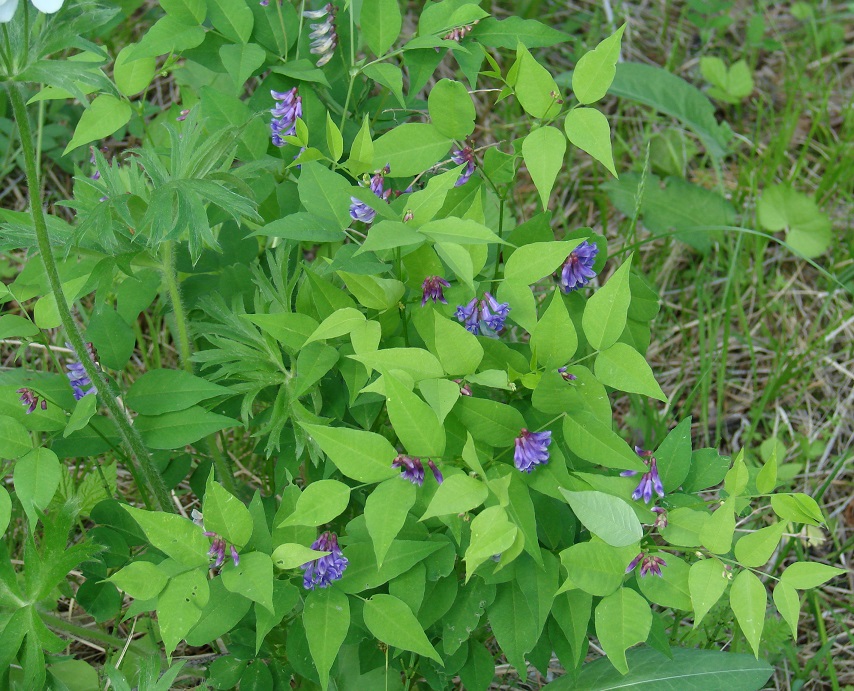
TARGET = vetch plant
(332,300)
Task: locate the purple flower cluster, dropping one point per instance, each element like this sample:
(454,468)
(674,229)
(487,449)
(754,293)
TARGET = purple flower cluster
(431,289)
(459,33)
(81,385)
(288,109)
(650,480)
(460,156)
(359,211)
(413,469)
(486,316)
(323,36)
(567,376)
(30,400)
(649,564)
(320,572)
(660,517)
(531,449)
(465,388)
(217,551)
(578,267)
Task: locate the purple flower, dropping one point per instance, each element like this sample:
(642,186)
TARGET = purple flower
(660,517)
(80,382)
(183,115)
(465,389)
(320,572)
(649,564)
(323,36)
(460,156)
(578,268)
(235,557)
(30,400)
(650,480)
(531,449)
(288,108)
(413,470)
(217,552)
(431,289)
(567,376)
(359,211)
(485,317)
(436,472)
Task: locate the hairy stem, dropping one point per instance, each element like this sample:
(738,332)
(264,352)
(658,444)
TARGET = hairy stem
(138,453)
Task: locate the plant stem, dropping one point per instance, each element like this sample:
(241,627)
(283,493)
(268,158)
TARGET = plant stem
(138,453)
(182,332)
(88,634)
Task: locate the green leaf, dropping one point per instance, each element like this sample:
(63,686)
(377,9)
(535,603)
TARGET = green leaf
(588,129)
(326,618)
(788,604)
(389,76)
(186,11)
(233,20)
(605,313)
(414,422)
(313,362)
(142,580)
(339,323)
(460,231)
(221,614)
(324,193)
(226,515)
(717,532)
(451,109)
(363,572)
(362,150)
(416,362)
(748,601)
(766,478)
(514,623)
(334,139)
(164,391)
(112,337)
(36,477)
(410,149)
(174,535)
(797,507)
(385,513)
(302,70)
(241,61)
(543,151)
(83,412)
(13,326)
(672,588)
(755,549)
(488,421)
(319,503)
(689,669)
(805,575)
(707,581)
(374,292)
(594,441)
(380,21)
(606,516)
(509,32)
(133,76)
(465,615)
(492,533)
(363,456)
(5,510)
(458,349)
(177,429)
(536,90)
(595,567)
(673,456)
(292,555)
(554,340)
(180,606)
(808,230)
(707,469)
(104,116)
(252,578)
(391,621)
(14,439)
(623,368)
(595,70)
(457,494)
(167,35)
(622,620)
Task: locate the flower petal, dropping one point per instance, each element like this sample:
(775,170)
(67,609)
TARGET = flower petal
(48,6)
(7,10)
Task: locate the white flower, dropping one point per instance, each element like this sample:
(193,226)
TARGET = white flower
(8,7)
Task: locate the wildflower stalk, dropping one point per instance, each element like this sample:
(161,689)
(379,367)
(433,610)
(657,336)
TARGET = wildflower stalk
(137,452)
(185,352)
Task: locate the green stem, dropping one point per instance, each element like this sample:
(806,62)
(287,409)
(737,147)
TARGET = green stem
(182,331)
(90,634)
(138,453)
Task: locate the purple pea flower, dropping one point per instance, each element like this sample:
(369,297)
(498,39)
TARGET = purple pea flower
(460,156)
(324,38)
(567,376)
(288,108)
(81,385)
(650,480)
(649,564)
(531,449)
(359,211)
(235,557)
(320,572)
(578,268)
(30,400)
(660,517)
(486,316)
(437,474)
(412,468)
(431,289)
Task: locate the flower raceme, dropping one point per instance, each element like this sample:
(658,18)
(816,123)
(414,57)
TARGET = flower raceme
(324,38)
(460,156)
(577,269)
(648,564)
(8,7)
(359,211)
(649,481)
(531,449)
(320,572)
(288,108)
(413,469)
(81,385)
(485,316)
(431,289)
